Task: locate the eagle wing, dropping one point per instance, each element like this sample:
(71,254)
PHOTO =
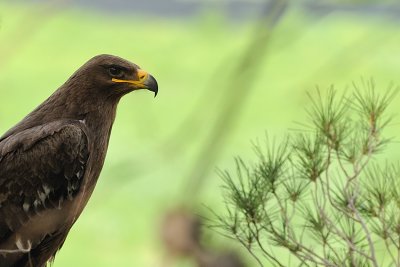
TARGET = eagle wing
(40,169)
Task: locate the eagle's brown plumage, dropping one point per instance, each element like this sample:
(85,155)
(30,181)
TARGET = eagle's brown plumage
(50,161)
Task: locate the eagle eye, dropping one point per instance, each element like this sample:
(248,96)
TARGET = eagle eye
(115,72)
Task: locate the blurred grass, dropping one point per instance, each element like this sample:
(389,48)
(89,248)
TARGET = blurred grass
(142,176)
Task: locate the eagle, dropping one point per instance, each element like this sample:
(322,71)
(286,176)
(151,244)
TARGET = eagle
(51,160)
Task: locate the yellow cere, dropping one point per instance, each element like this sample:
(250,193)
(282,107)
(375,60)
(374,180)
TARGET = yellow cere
(142,75)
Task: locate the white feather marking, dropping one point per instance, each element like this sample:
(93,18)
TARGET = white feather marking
(26,206)
(46,189)
(21,246)
(42,196)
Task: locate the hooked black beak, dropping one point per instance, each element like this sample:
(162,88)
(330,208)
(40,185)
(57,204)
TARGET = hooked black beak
(151,84)
(145,81)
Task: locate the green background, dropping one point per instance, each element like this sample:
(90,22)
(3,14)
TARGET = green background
(152,150)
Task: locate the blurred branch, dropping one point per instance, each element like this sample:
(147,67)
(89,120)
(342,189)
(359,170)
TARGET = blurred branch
(179,140)
(238,88)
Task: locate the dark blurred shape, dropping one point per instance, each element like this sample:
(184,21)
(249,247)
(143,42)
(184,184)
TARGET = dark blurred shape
(180,232)
(229,259)
(181,237)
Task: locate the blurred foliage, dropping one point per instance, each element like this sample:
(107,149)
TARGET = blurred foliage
(149,153)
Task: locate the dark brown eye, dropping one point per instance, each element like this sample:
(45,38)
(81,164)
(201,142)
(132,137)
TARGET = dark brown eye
(115,72)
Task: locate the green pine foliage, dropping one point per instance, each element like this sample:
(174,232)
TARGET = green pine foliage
(319,194)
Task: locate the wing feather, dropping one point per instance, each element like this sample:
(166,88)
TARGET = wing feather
(40,168)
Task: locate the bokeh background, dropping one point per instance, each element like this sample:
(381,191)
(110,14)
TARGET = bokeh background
(228,70)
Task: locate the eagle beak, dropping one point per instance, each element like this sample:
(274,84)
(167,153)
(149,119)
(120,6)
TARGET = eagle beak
(151,84)
(146,81)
